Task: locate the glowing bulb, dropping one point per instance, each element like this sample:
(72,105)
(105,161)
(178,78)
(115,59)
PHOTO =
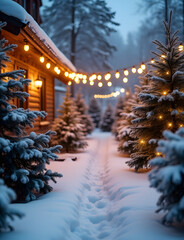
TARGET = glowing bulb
(84,77)
(122,90)
(117,74)
(163,56)
(139,70)
(69,83)
(107,76)
(143,66)
(26,47)
(91,83)
(127,93)
(100,84)
(94,76)
(42,59)
(66,74)
(99,77)
(48,65)
(169,124)
(125,79)
(134,69)
(167,73)
(164,93)
(84,81)
(158,153)
(126,72)
(109,84)
(180,47)
(142,141)
(56,69)
(152,60)
(77,80)
(181,125)
(160,117)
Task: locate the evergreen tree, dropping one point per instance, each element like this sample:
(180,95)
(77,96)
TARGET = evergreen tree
(108,119)
(95,111)
(161,102)
(80,23)
(23,157)
(6,212)
(119,109)
(85,118)
(68,126)
(168,176)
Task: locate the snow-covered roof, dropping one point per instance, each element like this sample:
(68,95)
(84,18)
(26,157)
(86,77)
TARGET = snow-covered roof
(13,9)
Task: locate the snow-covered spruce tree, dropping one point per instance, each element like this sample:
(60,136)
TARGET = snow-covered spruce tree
(107,119)
(68,126)
(168,176)
(86,120)
(95,111)
(23,157)
(7,213)
(161,102)
(119,109)
(80,23)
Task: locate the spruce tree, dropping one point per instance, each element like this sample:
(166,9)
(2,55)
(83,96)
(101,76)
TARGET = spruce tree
(86,120)
(95,111)
(168,176)
(107,119)
(161,102)
(68,126)
(23,157)
(7,213)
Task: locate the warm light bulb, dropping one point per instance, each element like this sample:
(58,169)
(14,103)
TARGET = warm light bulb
(84,81)
(181,125)
(142,141)
(109,84)
(158,153)
(66,74)
(160,117)
(117,74)
(180,47)
(164,93)
(99,77)
(26,47)
(56,69)
(69,83)
(139,70)
(107,76)
(163,56)
(125,79)
(143,66)
(126,72)
(100,84)
(91,83)
(122,90)
(167,73)
(42,59)
(152,60)
(169,124)
(134,70)
(48,65)
(127,93)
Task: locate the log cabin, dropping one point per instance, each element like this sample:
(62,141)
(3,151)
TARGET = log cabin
(36,54)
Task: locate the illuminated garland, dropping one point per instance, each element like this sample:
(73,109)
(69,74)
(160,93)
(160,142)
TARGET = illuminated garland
(113,94)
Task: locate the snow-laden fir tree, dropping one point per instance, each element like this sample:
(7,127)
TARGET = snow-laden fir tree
(168,176)
(95,111)
(68,126)
(119,109)
(86,25)
(161,102)
(86,120)
(23,157)
(107,119)
(7,213)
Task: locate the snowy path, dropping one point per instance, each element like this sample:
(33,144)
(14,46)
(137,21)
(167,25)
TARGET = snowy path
(99,197)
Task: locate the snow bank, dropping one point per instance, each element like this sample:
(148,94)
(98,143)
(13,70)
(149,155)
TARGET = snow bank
(13,9)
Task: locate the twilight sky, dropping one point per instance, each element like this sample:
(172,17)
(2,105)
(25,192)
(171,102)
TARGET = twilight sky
(127,14)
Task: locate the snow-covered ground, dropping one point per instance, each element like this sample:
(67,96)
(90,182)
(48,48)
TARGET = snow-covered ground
(97,198)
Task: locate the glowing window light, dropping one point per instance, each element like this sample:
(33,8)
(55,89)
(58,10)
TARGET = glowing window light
(26,47)
(69,83)
(100,84)
(109,84)
(99,77)
(117,74)
(139,70)
(125,79)
(126,72)
(143,66)
(134,69)
(42,59)
(48,65)
(122,90)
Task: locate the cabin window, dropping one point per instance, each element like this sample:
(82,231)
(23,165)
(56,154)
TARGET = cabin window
(34,9)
